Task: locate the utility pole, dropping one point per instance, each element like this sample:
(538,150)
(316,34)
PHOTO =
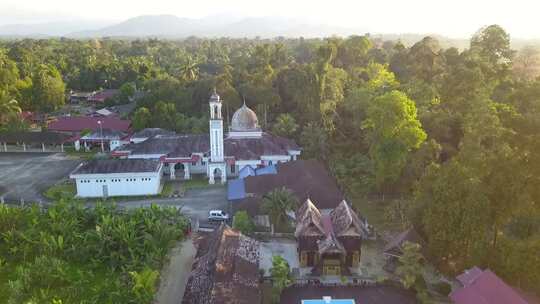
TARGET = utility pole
(101,136)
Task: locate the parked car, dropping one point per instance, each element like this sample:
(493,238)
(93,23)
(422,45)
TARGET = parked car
(218,215)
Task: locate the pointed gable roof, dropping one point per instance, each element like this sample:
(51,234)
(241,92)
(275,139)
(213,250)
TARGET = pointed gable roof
(346,222)
(308,220)
(331,244)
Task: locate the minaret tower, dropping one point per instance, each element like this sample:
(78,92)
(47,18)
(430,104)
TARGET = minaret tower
(216,164)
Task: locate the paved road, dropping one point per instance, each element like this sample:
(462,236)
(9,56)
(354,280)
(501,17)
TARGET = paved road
(27,175)
(196,203)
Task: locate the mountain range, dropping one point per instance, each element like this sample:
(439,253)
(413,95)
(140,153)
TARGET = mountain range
(169,26)
(173,27)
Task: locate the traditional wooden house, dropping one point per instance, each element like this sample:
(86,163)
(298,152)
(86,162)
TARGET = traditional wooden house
(330,243)
(225,271)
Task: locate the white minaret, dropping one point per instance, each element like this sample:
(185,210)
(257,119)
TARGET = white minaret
(216,140)
(216,129)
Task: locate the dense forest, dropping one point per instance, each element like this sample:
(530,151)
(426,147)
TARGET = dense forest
(452,135)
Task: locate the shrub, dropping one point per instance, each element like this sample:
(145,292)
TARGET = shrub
(443,288)
(243,223)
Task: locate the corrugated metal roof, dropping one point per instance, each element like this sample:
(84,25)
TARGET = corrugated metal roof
(487,288)
(236,189)
(106,166)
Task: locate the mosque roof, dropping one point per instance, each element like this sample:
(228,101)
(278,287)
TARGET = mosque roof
(244,119)
(184,145)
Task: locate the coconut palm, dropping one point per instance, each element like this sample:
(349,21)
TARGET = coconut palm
(190,70)
(277,203)
(8,107)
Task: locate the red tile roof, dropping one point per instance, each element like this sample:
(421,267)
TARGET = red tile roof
(486,288)
(79,123)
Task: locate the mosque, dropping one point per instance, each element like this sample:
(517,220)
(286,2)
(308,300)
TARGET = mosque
(218,155)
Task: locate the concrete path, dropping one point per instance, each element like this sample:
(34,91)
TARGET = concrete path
(175,274)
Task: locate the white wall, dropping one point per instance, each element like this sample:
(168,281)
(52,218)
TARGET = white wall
(118,184)
(145,156)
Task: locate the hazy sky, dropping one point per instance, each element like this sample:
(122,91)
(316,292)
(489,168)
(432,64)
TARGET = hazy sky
(455,18)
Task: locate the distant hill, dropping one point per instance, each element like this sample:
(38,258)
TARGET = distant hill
(52,29)
(173,27)
(170,26)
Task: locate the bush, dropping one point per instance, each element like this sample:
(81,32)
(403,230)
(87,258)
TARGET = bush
(243,223)
(443,288)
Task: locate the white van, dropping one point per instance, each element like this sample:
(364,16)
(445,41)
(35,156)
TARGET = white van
(218,215)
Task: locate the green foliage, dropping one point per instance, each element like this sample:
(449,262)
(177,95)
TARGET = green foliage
(281,277)
(443,288)
(394,131)
(410,271)
(144,284)
(277,203)
(60,191)
(76,255)
(48,89)
(243,223)
(410,266)
(285,126)
(9,111)
(141,119)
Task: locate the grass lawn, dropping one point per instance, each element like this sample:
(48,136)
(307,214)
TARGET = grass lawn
(62,190)
(197,183)
(168,188)
(70,151)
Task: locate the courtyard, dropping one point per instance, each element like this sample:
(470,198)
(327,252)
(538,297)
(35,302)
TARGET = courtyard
(27,175)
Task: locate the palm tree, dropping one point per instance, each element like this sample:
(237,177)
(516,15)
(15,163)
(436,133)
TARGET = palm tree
(8,107)
(277,203)
(190,70)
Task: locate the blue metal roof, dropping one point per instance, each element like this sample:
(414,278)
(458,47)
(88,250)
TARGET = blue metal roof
(246,171)
(331,301)
(236,189)
(270,169)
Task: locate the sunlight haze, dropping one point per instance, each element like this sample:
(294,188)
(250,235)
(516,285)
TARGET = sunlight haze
(458,18)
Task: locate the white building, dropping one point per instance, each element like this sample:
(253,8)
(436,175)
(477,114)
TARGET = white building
(218,155)
(118,177)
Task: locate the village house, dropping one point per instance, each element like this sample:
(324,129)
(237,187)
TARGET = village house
(331,242)
(225,270)
(304,178)
(102,96)
(104,139)
(147,133)
(76,124)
